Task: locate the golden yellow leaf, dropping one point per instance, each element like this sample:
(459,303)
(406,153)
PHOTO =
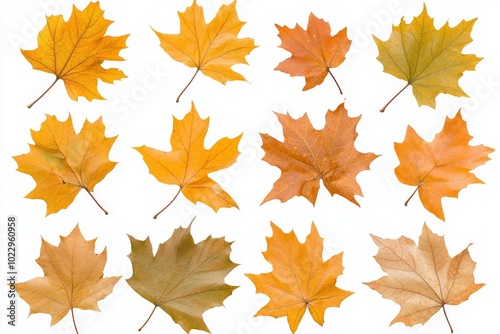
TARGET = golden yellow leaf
(62,162)
(72,278)
(429,60)
(189,162)
(211,48)
(300,280)
(75,50)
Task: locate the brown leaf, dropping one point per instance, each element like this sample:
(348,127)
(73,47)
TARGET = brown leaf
(308,155)
(423,279)
(211,48)
(189,163)
(314,51)
(75,50)
(442,167)
(300,280)
(184,279)
(62,162)
(72,278)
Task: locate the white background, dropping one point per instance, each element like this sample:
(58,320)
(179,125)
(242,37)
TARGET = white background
(139,110)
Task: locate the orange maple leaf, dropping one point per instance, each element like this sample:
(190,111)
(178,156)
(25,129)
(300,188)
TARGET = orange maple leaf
(314,51)
(62,162)
(423,279)
(211,48)
(189,163)
(442,167)
(72,278)
(308,155)
(75,50)
(300,279)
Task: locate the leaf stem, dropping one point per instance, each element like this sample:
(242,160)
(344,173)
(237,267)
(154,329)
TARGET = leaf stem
(413,193)
(147,320)
(189,83)
(173,199)
(448,320)
(338,86)
(384,107)
(74,322)
(32,103)
(99,205)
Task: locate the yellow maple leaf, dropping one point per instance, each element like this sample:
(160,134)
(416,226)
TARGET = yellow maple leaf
(428,59)
(211,48)
(75,50)
(189,162)
(62,162)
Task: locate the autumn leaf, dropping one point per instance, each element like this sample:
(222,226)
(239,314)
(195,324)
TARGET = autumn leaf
(423,279)
(300,279)
(62,162)
(442,167)
(189,163)
(74,52)
(308,155)
(73,278)
(428,59)
(314,51)
(211,48)
(184,279)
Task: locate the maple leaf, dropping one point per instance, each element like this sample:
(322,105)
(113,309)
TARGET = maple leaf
(211,48)
(62,162)
(184,279)
(75,50)
(423,279)
(429,60)
(72,278)
(314,51)
(189,163)
(300,279)
(442,167)
(308,155)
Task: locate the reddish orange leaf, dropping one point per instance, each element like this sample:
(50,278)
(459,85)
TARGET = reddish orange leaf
(442,167)
(314,51)
(308,155)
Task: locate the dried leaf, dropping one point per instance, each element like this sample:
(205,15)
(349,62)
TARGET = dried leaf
(429,60)
(72,278)
(423,279)
(211,48)
(75,50)
(300,278)
(442,167)
(189,163)
(314,51)
(308,155)
(62,162)
(184,279)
